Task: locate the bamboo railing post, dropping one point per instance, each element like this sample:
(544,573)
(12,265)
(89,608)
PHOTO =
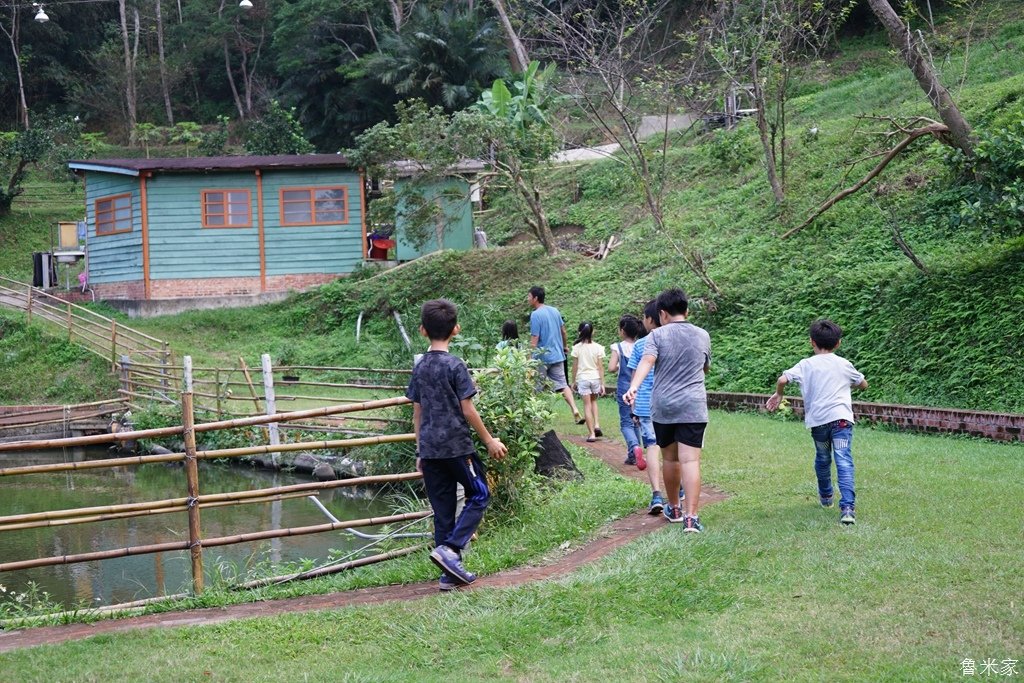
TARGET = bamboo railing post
(216,379)
(126,374)
(273,435)
(69,321)
(187,373)
(30,305)
(165,360)
(113,345)
(195,542)
(248,380)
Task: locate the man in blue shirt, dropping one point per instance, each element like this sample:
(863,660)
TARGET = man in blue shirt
(547,335)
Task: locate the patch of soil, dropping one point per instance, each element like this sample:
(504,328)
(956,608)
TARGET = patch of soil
(560,563)
(562,232)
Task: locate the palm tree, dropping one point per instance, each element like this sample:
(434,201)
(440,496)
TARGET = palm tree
(445,57)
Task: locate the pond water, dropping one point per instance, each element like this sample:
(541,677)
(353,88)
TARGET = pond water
(142,576)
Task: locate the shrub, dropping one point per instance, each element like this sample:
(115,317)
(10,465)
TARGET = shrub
(515,413)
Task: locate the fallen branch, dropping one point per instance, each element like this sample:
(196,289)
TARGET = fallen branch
(934,129)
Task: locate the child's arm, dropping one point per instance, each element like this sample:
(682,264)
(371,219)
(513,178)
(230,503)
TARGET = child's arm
(416,431)
(776,398)
(863,384)
(575,369)
(641,372)
(495,448)
(613,362)
(600,371)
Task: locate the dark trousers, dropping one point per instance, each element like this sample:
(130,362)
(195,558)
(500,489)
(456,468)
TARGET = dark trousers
(440,477)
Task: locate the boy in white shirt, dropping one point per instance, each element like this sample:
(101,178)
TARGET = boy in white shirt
(825,380)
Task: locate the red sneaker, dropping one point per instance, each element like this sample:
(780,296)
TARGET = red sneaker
(641,463)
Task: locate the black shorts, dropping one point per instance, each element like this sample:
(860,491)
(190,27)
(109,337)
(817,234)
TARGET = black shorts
(687,433)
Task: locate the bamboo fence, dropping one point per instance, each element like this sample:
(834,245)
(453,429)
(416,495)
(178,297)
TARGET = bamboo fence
(194,502)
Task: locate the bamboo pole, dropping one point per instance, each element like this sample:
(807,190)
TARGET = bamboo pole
(195,542)
(333,569)
(331,368)
(352,385)
(204,455)
(113,346)
(42,410)
(58,420)
(29,305)
(248,379)
(216,379)
(210,542)
(69,321)
(205,426)
(84,519)
(209,499)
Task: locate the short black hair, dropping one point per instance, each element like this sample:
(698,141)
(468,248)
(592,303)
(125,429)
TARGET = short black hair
(651,311)
(509,330)
(826,334)
(537,293)
(631,326)
(439,317)
(673,301)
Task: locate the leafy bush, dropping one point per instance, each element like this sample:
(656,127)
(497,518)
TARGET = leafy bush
(515,413)
(989,191)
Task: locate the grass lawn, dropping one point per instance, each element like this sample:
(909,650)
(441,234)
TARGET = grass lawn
(775,587)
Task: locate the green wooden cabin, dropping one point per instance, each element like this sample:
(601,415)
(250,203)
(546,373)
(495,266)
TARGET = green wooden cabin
(220,226)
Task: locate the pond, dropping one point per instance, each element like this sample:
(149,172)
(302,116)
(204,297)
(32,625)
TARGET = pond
(131,578)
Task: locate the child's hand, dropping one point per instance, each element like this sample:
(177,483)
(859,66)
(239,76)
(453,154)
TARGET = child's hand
(419,464)
(496,449)
(600,392)
(773,402)
(629,398)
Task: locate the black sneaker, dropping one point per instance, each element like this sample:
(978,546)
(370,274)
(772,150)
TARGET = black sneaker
(657,504)
(826,501)
(673,513)
(449,561)
(692,525)
(630,460)
(847,515)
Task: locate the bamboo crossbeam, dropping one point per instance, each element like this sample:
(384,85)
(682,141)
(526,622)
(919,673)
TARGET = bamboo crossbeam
(141,513)
(60,420)
(335,399)
(205,426)
(326,368)
(389,387)
(333,569)
(72,406)
(148,397)
(222,453)
(209,542)
(304,489)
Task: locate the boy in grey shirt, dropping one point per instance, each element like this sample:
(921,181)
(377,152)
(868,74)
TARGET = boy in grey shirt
(825,380)
(680,353)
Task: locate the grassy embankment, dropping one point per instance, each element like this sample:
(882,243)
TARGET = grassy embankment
(774,588)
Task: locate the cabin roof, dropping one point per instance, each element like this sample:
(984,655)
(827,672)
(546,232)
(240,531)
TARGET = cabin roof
(135,167)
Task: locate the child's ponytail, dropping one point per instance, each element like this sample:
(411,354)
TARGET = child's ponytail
(585,332)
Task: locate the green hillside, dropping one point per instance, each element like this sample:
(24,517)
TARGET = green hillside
(943,337)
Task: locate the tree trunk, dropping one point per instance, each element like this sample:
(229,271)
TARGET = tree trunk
(129,74)
(163,65)
(766,142)
(911,49)
(540,225)
(12,36)
(520,60)
(227,68)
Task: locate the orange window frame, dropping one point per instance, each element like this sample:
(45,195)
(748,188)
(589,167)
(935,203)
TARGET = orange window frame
(311,203)
(109,216)
(224,206)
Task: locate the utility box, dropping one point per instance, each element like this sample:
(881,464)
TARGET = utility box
(44,270)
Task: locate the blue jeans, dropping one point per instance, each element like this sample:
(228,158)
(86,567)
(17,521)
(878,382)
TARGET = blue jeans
(834,441)
(630,431)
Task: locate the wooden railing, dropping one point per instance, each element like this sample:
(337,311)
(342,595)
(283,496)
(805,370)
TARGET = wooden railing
(193,502)
(97,333)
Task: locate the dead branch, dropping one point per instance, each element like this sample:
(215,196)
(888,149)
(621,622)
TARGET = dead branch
(937,130)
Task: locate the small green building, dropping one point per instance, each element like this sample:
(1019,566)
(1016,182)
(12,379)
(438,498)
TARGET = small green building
(220,226)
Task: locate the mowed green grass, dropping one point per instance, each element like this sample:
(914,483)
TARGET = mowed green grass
(775,588)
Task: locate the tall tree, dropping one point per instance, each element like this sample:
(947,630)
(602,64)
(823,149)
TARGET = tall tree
(443,56)
(911,46)
(164,85)
(130,56)
(520,60)
(11,26)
